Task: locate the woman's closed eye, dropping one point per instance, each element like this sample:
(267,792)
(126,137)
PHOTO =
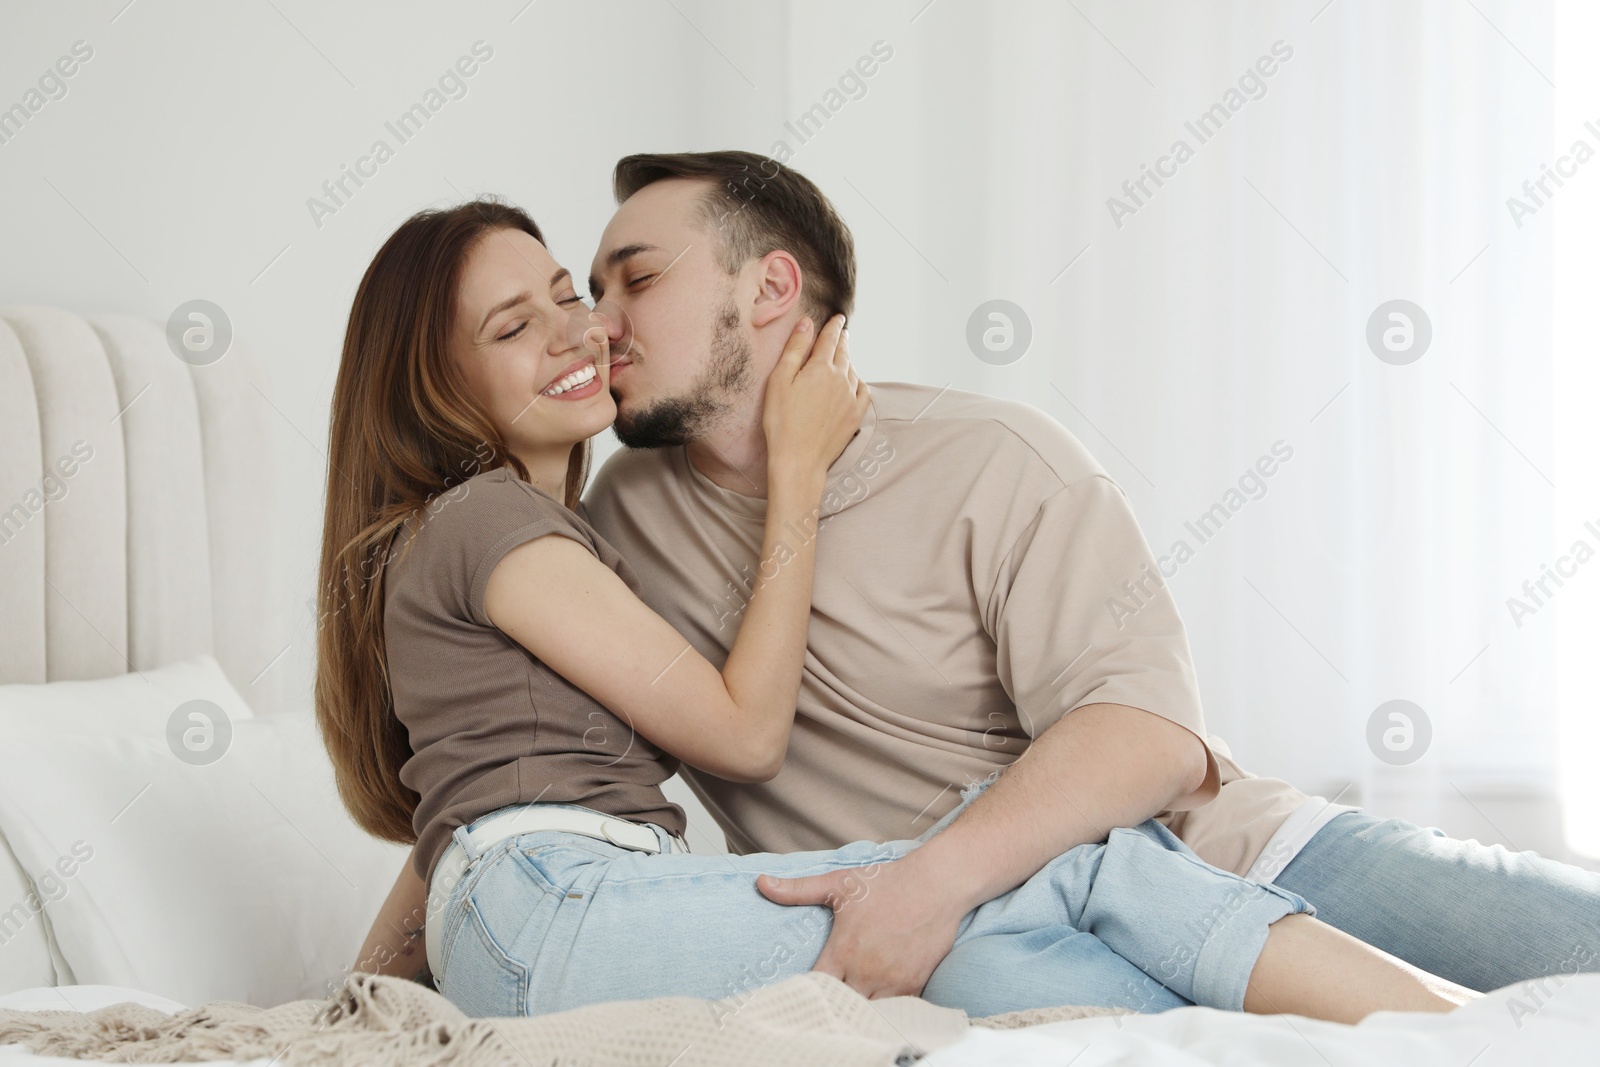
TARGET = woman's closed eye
(566,301)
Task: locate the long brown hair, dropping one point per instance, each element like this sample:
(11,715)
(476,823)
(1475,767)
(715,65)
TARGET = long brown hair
(403,429)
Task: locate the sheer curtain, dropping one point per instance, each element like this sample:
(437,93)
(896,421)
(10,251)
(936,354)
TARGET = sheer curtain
(1339,157)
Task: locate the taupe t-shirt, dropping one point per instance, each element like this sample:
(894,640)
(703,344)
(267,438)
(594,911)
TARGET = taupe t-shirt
(490,725)
(978,576)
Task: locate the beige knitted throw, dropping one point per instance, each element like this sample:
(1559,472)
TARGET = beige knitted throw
(805,1020)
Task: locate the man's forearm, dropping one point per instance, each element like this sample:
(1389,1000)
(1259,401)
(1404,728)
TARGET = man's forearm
(1101,766)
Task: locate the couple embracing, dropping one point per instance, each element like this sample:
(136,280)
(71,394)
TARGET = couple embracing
(867,625)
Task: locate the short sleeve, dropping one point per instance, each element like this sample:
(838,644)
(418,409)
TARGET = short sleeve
(494,553)
(467,531)
(1080,614)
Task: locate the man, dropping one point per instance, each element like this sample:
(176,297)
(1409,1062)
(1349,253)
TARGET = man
(967,550)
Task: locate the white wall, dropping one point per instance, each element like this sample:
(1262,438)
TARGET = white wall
(1227,313)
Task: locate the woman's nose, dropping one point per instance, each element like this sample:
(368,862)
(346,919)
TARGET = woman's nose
(584,329)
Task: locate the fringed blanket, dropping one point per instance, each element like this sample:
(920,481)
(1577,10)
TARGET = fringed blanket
(805,1020)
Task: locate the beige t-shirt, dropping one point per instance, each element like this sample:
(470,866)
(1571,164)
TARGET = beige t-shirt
(489,724)
(968,555)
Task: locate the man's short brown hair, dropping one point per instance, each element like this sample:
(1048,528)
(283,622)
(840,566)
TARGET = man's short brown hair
(758,206)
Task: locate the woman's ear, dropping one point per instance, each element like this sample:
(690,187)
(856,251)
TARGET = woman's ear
(778,282)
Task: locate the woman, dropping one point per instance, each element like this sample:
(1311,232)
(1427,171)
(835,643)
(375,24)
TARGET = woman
(491,688)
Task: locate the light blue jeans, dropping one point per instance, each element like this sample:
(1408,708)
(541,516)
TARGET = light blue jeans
(548,921)
(1480,915)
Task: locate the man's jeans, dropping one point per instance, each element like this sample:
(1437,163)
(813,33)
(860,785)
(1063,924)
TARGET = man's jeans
(1478,915)
(547,921)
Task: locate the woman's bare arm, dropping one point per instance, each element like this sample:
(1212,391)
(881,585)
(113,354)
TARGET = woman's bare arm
(395,946)
(552,596)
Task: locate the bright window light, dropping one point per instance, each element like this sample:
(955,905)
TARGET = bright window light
(1576,218)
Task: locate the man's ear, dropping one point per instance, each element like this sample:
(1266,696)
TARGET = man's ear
(778,281)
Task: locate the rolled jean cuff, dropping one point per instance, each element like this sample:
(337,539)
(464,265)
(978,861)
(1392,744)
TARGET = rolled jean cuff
(1232,946)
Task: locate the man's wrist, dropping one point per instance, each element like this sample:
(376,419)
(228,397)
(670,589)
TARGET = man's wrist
(941,865)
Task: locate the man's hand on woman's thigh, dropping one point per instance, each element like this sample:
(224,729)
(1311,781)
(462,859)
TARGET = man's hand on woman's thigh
(891,923)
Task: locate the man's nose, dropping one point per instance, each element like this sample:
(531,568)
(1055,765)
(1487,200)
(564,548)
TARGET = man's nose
(618,327)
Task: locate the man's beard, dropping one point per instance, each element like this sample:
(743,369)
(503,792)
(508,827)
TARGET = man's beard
(677,420)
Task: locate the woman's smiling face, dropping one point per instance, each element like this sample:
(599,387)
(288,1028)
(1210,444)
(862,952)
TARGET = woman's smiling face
(518,338)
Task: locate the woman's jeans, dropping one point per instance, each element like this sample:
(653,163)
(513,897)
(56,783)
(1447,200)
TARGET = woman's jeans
(550,920)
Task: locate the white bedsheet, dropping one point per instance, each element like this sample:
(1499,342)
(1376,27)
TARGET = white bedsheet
(1531,1025)
(1550,1023)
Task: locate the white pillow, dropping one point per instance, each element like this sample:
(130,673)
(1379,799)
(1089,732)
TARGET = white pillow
(139,702)
(125,703)
(239,879)
(83,999)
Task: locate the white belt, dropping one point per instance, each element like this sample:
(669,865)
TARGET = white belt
(453,863)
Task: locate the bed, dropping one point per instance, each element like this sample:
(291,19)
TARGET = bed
(1552,1024)
(138,565)
(167,806)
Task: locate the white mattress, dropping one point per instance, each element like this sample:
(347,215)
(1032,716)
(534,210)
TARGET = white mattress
(1553,1024)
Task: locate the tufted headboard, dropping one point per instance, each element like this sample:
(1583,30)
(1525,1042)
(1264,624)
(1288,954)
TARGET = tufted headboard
(136,525)
(136,514)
